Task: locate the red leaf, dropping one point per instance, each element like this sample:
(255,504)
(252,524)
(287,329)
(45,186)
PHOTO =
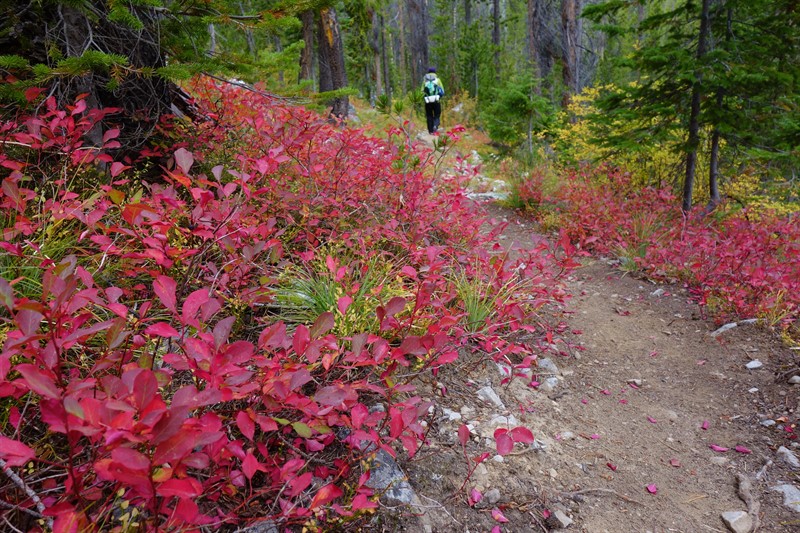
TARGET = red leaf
(246,424)
(521,434)
(343,303)
(193,303)
(652,488)
(612,466)
(322,325)
(183,160)
(301,339)
(475,496)
(675,462)
(498,515)
(325,495)
(165,287)
(395,305)
(182,488)
(334,395)
(743,449)
(504,442)
(463,434)
(28,321)
(161,329)
(250,465)
(117,168)
(15,453)
(720,449)
(39,382)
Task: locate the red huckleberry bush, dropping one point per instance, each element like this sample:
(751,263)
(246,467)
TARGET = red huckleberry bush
(200,334)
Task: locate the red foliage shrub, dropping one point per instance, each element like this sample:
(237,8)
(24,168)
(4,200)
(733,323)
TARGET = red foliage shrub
(737,265)
(143,366)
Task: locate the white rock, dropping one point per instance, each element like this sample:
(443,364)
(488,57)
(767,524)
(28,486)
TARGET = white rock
(492,496)
(549,384)
(657,292)
(787,456)
(467,411)
(755,363)
(723,329)
(561,519)
(767,423)
(753,390)
(567,435)
(498,459)
(738,521)
(547,366)
(791,496)
(452,416)
(488,394)
(794,380)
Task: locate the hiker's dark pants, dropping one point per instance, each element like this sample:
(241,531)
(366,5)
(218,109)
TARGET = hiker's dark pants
(433,111)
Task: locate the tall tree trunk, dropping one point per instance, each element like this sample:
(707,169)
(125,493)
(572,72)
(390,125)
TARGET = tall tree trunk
(570,46)
(307,55)
(331,55)
(418,37)
(384,59)
(212,39)
(713,167)
(496,37)
(472,73)
(375,45)
(248,34)
(693,141)
(534,43)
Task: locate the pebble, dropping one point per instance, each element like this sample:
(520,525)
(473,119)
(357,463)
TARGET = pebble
(498,459)
(738,521)
(767,423)
(753,390)
(719,461)
(787,456)
(467,411)
(567,435)
(547,365)
(549,384)
(637,382)
(559,519)
(488,394)
(657,292)
(794,380)
(755,363)
(492,496)
(452,416)
(791,496)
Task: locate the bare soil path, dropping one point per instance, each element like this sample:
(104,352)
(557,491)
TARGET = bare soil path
(624,439)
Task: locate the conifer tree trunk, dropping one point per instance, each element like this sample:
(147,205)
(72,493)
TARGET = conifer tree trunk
(496,37)
(418,37)
(331,60)
(570,45)
(693,141)
(375,38)
(307,55)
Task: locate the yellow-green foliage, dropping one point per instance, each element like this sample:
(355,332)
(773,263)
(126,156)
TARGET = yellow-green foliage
(658,163)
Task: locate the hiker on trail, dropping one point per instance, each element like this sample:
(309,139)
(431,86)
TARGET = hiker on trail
(432,90)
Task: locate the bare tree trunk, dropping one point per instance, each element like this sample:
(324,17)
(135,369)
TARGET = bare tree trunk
(307,55)
(534,39)
(713,167)
(570,44)
(375,45)
(496,37)
(212,39)
(418,33)
(331,54)
(248,34)
(384,59)
(693,141)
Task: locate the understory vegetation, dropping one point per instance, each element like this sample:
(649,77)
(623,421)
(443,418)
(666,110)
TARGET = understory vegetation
(224,325)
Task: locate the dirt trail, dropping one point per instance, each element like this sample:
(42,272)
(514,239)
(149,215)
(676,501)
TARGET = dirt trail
(628,412)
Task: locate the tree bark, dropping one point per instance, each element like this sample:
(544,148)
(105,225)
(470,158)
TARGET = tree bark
(375,45)
(418,37)
(331,57)
(570,45)
(496,37)
(307,55)
(693,141)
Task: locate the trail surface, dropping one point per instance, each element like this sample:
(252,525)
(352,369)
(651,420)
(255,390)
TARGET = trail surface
(624,437)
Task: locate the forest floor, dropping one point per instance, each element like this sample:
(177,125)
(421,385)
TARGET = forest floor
(624,438)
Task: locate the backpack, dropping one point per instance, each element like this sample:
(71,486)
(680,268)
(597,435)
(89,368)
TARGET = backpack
(430,88)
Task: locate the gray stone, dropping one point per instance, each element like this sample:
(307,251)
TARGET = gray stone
(549,384)
(755,363)
(787,456)
(738,521)
(559,519)
(452,416)
(488,394)
(547,366)
(794,380)
(263,526)
(492,496)
(387,477)
(567,435)
(719,460)
(723,329)
(657,292)
(768,422)
(791,496)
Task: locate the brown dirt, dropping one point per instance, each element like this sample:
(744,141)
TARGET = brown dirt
(686,377)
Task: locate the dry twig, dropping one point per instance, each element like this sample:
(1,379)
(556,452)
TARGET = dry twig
(19,482)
